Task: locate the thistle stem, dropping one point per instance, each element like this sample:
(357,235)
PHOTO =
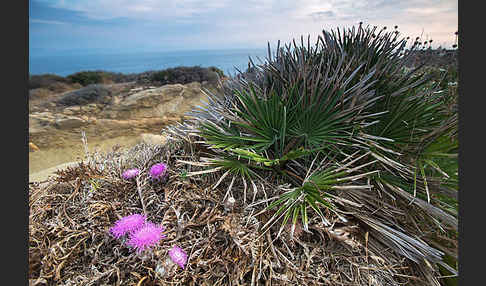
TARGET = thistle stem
(139,189)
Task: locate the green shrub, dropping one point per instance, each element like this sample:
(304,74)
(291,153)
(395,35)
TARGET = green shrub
(181,75)
(218,71)
(47,81)
(184,75)
(87,77)
(120,77)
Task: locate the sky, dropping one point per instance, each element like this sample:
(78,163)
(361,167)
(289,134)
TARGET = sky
(123,26)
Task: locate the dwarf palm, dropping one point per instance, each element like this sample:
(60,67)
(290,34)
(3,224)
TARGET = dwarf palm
(341,130)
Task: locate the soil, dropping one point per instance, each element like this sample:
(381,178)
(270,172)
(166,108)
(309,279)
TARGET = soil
(74,150)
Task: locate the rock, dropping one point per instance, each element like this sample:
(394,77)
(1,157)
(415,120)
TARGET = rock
(69,122)
(137,89)
(34,130)
(194,86)
(90,108)
(116,100)
(156,102)
(41,115)
(152,139)
(146,111)
(71,110)
(39,93)
(40,122)
(151,97)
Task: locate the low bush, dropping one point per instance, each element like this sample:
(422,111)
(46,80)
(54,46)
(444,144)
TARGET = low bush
(48,81)
(218,71)
(94,77)
(183,75)
(120,77)
(86,77)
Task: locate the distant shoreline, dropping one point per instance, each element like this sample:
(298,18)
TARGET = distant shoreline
(129,63)
(136,63)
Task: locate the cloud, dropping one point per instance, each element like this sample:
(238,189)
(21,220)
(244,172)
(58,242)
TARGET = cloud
(256,22)
(49,22)
(322,15)
(143,9)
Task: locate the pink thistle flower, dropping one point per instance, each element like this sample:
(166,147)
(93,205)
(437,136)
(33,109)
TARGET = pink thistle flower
(158,170)
(178,255)
(146,237)
(130,174)
(127,224)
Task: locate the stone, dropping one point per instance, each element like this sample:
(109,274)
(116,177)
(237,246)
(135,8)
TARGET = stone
(152,139)
(39,122)
(40,115)
(147,98)
(156,102)
(72,110)
(69,122)
(116,100)
(137,89)
(92,107)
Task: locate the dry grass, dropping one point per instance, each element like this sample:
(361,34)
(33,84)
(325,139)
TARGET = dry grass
(70,215)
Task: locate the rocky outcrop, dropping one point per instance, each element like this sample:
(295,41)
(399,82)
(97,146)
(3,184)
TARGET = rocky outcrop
(168,100)
(69,122)
(152,139)
(132,112)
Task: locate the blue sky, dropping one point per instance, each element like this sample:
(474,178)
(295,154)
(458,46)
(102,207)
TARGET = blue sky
(120,26)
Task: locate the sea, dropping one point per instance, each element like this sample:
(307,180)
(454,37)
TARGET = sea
(65,64)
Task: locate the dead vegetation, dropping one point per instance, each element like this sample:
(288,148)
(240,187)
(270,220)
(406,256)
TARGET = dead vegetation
(70,215)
